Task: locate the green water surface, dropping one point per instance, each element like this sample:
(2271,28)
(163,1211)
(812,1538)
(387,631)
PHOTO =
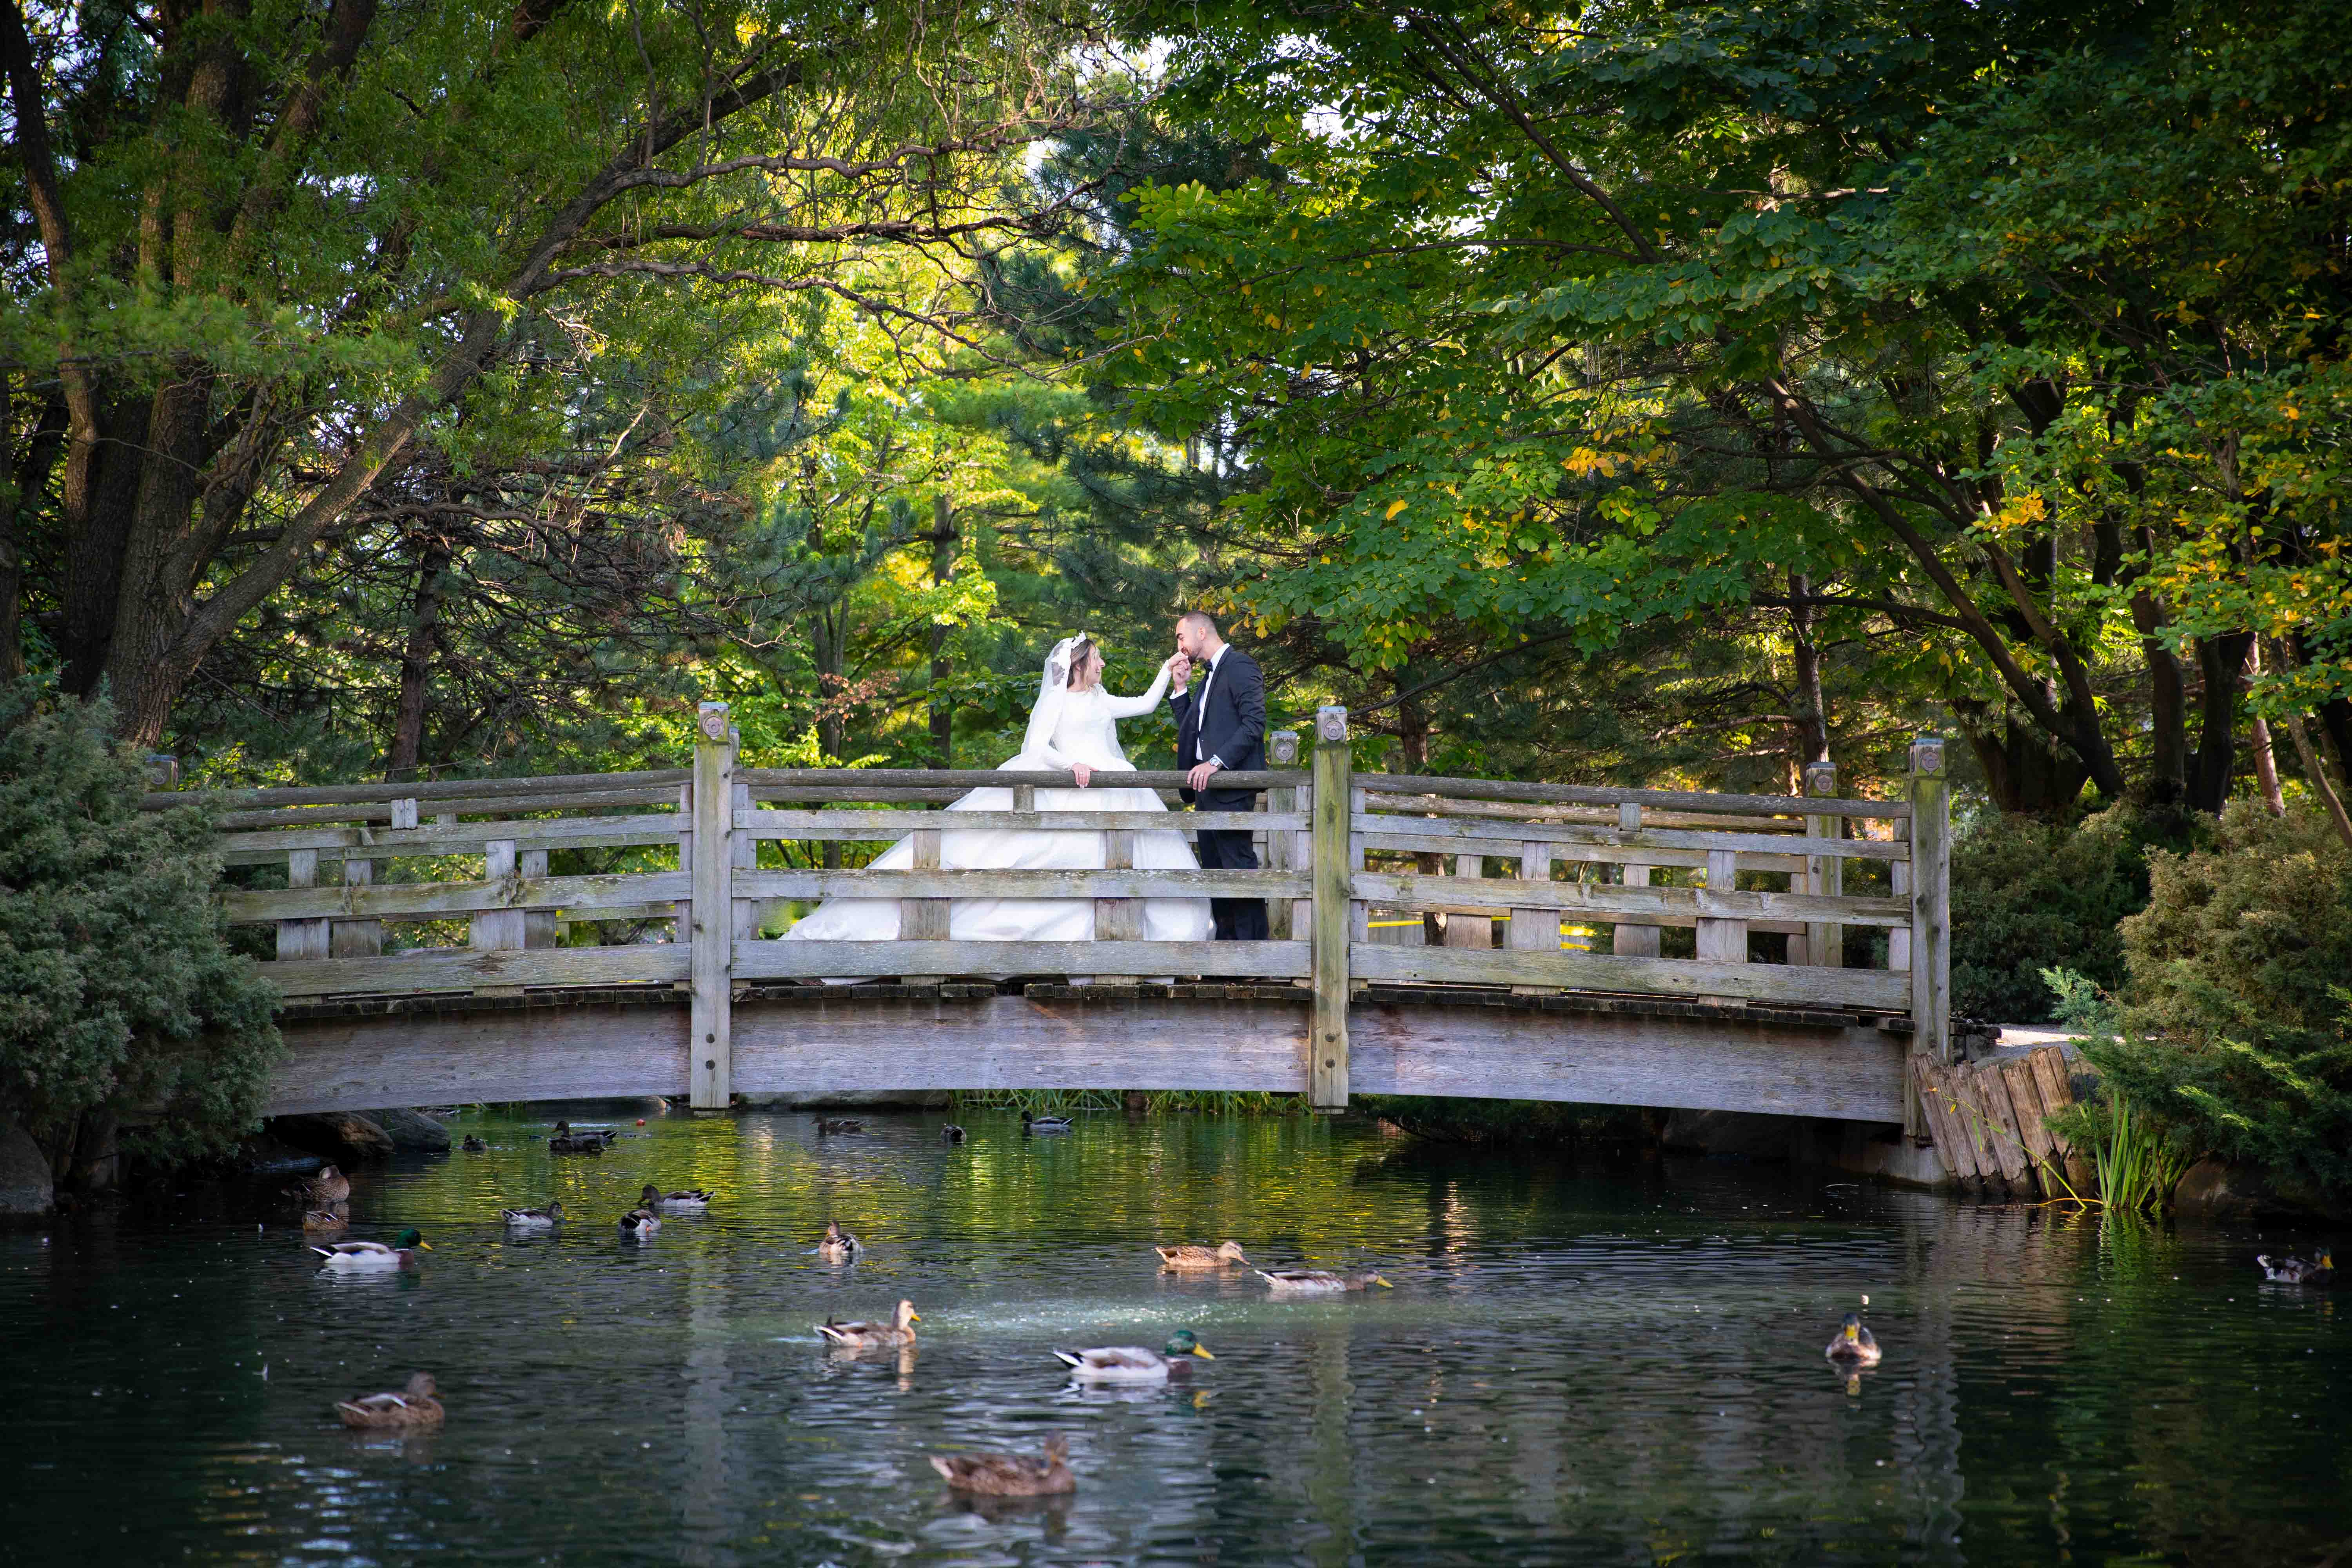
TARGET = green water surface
(1594,1359)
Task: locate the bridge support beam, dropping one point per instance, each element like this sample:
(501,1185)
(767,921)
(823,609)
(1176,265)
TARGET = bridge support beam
(711,959)
(1931,922)
(1326,1040)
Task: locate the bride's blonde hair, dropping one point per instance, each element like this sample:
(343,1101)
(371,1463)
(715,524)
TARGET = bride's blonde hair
(1078,652)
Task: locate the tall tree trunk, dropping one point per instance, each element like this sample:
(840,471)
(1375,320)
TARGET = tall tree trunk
(2027,774)
(407,749)
(12,561)
(943,539)
(2168,707)
(1812,714)
(2265,758)
(2223,662)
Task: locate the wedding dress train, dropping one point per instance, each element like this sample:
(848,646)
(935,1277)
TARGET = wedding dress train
(1065,728)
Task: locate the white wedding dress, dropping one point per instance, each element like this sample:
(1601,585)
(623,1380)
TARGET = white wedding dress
(1065,728)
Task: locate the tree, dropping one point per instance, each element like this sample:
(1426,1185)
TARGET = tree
(274,246)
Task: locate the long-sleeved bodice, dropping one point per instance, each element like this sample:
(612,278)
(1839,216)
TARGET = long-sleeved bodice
(1087,728)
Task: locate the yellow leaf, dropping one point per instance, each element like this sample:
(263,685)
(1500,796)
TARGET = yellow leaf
(1397,505)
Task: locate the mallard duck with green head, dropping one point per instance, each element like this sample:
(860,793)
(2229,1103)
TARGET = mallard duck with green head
(864,1336)
(1321,1281)
(1854,1345)
(1134,1364)
(534,1219)
(638,1224)
(417,1405)
(2318,1270)
(374,1257)
(653,1197)
(1011,1475)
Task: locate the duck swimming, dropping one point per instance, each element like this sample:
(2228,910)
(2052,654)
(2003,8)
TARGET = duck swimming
(324,1190)
(2318,1270)
(862,1336)
(534,1219)
(845,1125)
(1179,1259)
(951,1134)
(1321,1281)
(474,1145)
(418,1406)
(640,1223)
(1044,1124)
(591,1141)
(1011,1475)
(653,1197)
(374,1257)
(838,1245)
(1854,1344)
(1133,1363)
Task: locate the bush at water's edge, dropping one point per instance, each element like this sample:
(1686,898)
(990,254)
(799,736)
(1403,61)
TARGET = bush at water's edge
(119,993)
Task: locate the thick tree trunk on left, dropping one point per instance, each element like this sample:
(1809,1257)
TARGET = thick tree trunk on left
(2223,662)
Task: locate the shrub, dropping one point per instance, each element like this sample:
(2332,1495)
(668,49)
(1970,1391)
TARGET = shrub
(117,985)
(2028,894)
(2236,1029)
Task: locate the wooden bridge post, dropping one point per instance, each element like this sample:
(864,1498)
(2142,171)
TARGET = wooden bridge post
(1326,1040)
(710,962)
(1931,920)
(303,938)
(1824,874)
(1633,941)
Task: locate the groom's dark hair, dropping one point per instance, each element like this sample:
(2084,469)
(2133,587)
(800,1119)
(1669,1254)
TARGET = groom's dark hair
(1200,619)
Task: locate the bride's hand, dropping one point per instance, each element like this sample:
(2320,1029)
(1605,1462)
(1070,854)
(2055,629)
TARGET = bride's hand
(1086,774)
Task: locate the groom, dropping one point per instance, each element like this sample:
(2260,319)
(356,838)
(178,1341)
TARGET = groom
(1220,728)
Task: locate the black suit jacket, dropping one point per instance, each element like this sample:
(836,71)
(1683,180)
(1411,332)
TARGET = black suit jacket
(1230,726)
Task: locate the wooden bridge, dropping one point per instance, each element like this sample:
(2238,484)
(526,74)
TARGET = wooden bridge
(1815,969)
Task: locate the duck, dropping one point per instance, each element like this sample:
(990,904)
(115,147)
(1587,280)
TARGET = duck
(861,1336)
(419,1405)
(324,1222)
(1044,1124)
(1854,1344)
(838,1245)
(1133,1363)
(653,1197)
(1321,1281)
(2318,1270)
(374,1257)
(1010,1475)
(324,1190)
(845,1125)
(474,1145)
(640,1223)
(566,1141)
(951,1134)
(534,1219)
(1178,1259)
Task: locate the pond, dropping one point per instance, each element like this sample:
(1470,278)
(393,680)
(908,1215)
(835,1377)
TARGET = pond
(1586,1358)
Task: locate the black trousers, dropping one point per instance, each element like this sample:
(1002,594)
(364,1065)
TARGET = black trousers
(1237,920)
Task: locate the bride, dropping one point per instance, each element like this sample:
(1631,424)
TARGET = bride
(1073,728)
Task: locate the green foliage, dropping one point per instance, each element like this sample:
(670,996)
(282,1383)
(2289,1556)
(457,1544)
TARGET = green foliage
(2030,895)
(2236,1030)
(117,985)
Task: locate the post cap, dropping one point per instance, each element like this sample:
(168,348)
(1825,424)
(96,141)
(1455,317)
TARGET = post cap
(1928,755)
(711,720)
(163,770)
(1821,778)
(1284,746)
(1331,724)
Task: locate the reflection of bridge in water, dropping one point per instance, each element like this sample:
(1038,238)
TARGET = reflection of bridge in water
(1816,960)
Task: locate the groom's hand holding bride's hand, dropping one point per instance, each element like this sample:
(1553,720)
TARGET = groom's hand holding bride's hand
(1179,667)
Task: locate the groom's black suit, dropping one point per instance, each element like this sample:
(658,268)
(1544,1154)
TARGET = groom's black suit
(1225,720)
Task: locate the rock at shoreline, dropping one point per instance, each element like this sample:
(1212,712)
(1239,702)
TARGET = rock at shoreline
(412,1132)
(25,1185)
(344,1137)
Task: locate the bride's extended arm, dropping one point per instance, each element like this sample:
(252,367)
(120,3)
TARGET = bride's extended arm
(1136,707)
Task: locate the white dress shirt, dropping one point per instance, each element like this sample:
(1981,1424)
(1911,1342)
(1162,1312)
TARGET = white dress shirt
(1201,699)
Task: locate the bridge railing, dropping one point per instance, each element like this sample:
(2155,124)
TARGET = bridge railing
(1535,888)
